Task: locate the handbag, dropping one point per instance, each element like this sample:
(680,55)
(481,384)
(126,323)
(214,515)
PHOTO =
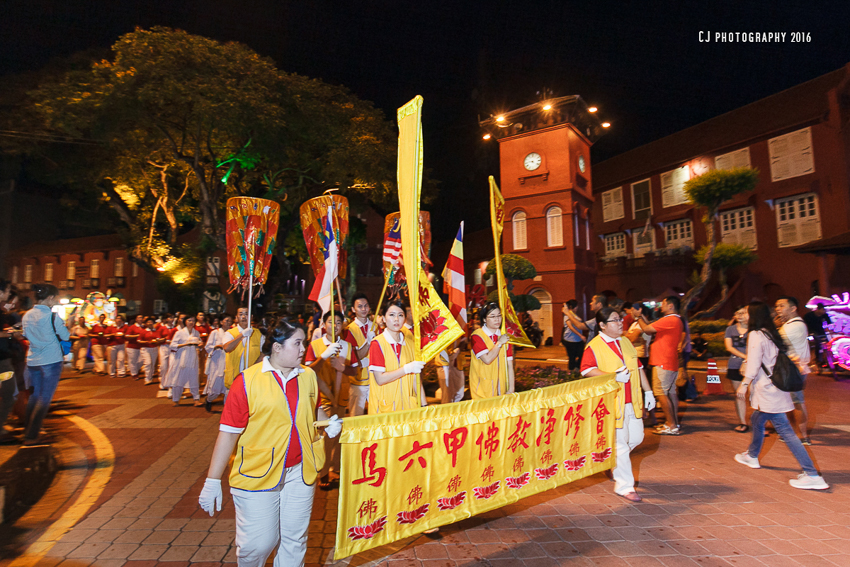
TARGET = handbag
(65,346)
(785,376)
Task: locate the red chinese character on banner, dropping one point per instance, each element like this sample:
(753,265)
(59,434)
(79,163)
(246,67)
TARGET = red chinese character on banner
(416,448)
(367,509)
(373,473)
(454,441)
(602,442)
(488,474)
(599,413)
(548,421)
(424,295)
(573,419)
(518,464)
(575,449)
(454,484)
(415,495)
(547,457)
(490,444)
(517,438)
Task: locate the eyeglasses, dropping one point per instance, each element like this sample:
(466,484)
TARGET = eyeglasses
(617,320)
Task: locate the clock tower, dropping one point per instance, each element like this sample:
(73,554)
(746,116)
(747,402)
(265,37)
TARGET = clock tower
(544,152)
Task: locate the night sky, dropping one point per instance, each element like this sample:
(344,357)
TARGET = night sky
(641,63)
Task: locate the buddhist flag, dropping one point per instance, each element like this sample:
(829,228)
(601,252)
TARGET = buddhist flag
(434,328)
(322,292)
(510,321)
(454,283)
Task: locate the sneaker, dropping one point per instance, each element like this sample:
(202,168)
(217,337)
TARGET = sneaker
(667,430)
(806,482)
(806,441)
(745,459)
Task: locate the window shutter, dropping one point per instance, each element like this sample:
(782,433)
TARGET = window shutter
(607,205)
(667,197)
(617,205)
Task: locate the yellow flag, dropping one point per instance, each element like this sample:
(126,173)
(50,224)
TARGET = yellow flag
(434,328)
(510,321)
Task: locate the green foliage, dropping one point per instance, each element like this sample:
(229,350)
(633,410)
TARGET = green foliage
(708,326)
(524,302)
(727,256)
(716,186)
(514,267)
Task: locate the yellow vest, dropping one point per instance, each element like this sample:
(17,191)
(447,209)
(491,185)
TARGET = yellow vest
(401,394)
(608,361)
(262,447)
(233,360)
(327,373)
(488,380)
(362,378)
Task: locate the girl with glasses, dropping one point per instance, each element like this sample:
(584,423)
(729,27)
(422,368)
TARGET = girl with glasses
(491,368)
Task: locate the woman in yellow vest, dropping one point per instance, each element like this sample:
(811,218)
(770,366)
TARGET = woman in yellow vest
(269,419)
(608,352)
(394,381)
(491,367)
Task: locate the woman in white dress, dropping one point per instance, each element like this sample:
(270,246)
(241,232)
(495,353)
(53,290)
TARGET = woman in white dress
(185,343)
(215,362)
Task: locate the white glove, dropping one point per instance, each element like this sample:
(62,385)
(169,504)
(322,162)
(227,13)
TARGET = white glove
(648,401)
(334,426)
(414,367)
(247,332)
(332,350)
(210,498)
(370,335)
(623,374)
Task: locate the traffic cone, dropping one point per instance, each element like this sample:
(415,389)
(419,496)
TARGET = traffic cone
(712,379)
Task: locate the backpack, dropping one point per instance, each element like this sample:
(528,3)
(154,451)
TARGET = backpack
(785,376)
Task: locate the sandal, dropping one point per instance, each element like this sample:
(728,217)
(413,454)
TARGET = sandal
(743,428)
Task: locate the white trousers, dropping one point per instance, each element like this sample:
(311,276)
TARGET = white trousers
(98,353)
(134,361)
(80,357)
(116,360)
(628,437)
(451,384)
(280,516)
(357,398)
(149,362)
(164,357)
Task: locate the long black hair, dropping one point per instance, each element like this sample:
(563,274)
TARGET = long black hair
(44,290)
(761,320)
(279,333)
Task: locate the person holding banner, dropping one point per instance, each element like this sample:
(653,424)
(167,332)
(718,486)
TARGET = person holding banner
(394,374)
(270,412)
(491,368)
(241,334)
(359,334)
(609,351)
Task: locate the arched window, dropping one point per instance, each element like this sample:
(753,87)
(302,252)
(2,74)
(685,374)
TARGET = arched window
(554,227)
(520,235)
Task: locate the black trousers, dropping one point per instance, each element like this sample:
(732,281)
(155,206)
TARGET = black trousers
(574,351)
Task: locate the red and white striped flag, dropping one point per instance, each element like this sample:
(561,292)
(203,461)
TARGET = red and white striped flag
(454,284)
(392,244)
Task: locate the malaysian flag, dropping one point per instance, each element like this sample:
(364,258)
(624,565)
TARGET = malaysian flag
(322,292)
(454,284)
(392,244)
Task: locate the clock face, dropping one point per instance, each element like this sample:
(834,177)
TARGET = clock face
(532,161)
(581,164)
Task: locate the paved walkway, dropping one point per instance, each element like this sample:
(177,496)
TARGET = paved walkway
(700,507)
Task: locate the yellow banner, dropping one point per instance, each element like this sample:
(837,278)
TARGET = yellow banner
(408,471)
(434,328)
(510,321)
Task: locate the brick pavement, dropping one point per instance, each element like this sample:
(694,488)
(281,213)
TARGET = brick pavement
(700,507)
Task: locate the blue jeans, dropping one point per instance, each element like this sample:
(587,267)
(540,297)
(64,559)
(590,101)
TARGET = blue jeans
(784,429)
(44,380)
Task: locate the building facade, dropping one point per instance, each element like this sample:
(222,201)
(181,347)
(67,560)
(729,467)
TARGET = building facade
(798,140)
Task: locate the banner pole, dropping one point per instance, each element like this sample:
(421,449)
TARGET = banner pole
(380,302)
(247,348)
(333,338)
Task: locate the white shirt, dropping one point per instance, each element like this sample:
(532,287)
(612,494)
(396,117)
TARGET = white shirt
(796,335)
(764,396)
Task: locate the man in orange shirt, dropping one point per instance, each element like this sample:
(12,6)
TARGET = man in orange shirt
(669,332)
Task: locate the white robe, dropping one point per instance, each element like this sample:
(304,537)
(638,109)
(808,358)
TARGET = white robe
(184,361)
(215,363)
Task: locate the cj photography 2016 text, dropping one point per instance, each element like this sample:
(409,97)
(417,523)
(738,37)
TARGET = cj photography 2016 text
(754,37)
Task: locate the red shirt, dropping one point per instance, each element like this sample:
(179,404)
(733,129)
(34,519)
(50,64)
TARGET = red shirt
(133,330)
(349,338)
(478,346)
(664,351)
(148,339)
(236,413)
(166,333)
(204,331)
(588,362)
(376,355)
(96,329)
(112,336)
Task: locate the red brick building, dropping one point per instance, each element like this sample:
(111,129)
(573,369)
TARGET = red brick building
(799,141)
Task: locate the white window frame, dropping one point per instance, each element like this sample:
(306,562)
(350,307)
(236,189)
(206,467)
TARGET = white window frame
(519,223)
(118,267)
(673,187)
(738,226)
(791,155)
(612,205)
(71,270)
(135,269)
(797,220)
(554,227)
(731,160)
(642,249)
(94,268)
(634,207)
(678,234)
(14,275)
(611,241)
(28,273)
(48,272)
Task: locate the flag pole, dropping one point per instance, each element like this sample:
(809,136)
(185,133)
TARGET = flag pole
(333,339)
(380,302)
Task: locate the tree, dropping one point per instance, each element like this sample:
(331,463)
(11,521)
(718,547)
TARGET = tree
(181,122)
(708,191)
(515,268)
(725,257)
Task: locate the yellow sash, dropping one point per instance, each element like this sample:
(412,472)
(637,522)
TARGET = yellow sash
(362,378)
(233,360)
(608,361)
(488,380)
(401,394)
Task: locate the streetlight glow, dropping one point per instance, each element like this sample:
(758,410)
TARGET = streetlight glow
(592,109)
(606,124)
(486,136)
(500,119)
(547,107)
